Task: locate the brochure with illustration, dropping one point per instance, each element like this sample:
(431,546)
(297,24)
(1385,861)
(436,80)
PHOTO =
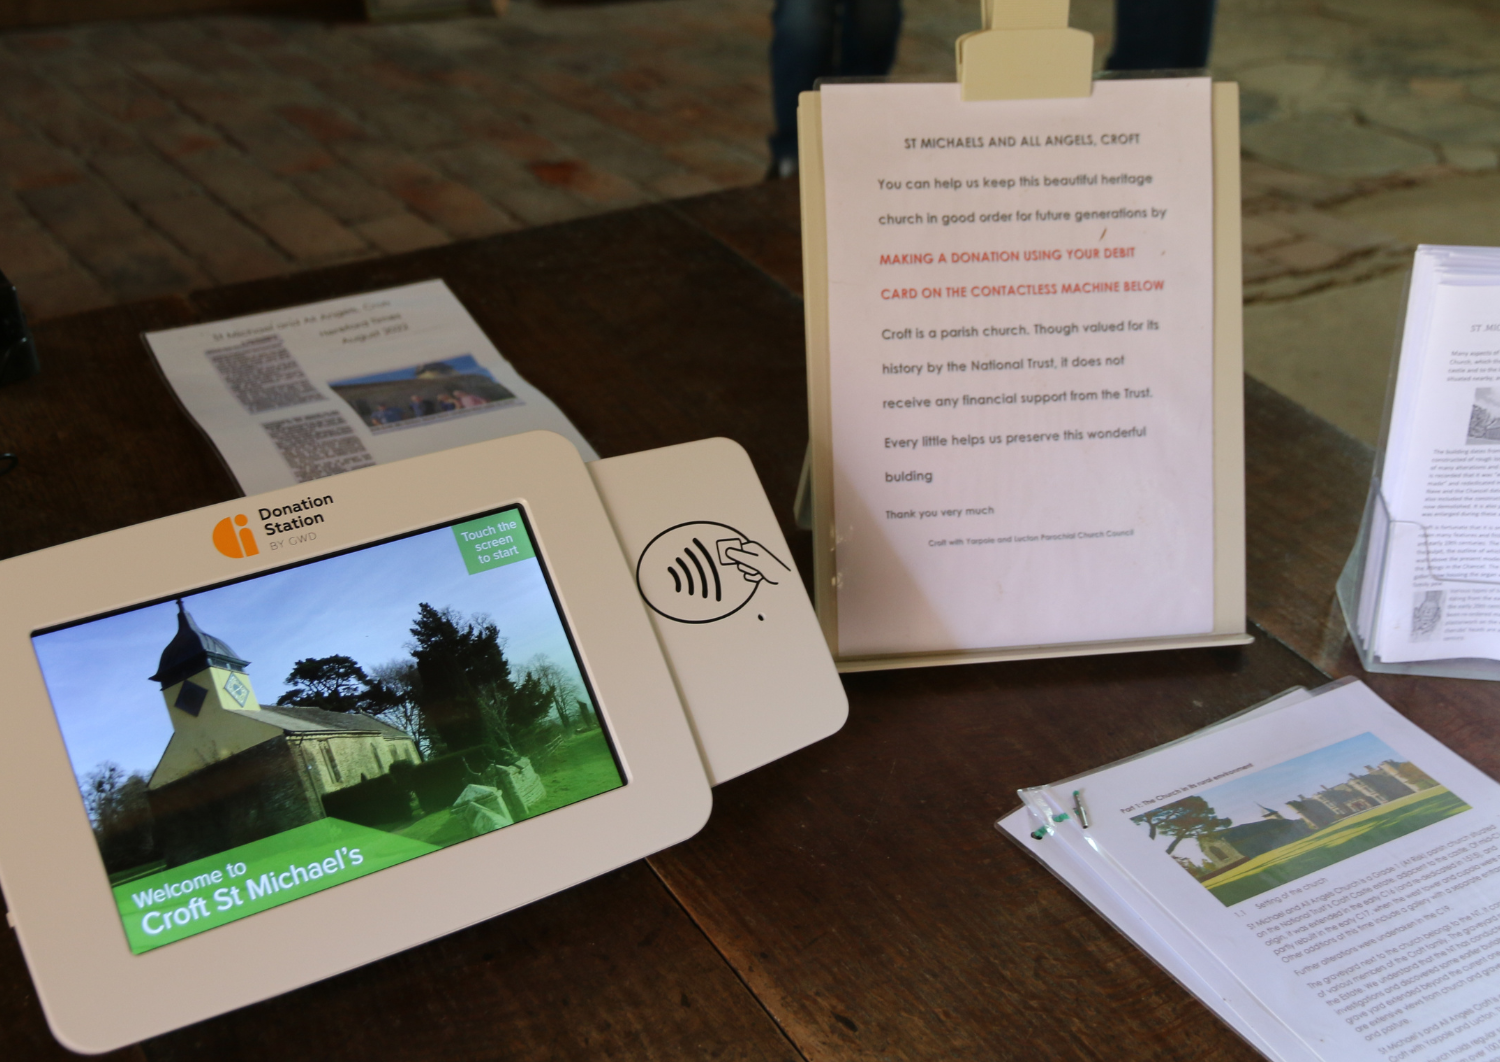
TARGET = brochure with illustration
(1422,591)
(312,724)
(310,391)
(1321,872)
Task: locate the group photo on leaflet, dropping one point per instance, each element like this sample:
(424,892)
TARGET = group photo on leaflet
(404,697)
(428,393)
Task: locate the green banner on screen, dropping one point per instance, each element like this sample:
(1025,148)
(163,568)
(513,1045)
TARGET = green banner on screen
(172,904)
(493,541)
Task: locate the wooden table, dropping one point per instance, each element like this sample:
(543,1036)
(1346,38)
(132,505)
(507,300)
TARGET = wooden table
(851,901)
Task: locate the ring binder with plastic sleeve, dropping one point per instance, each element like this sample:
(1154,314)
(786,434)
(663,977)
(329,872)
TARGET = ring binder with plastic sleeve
(1312,869)
(1026,51)
(1076,858)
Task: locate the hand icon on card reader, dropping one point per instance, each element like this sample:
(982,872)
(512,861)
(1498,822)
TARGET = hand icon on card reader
(684,579)
(753,560)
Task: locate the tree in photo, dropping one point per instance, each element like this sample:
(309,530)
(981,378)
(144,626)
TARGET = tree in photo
(562,689)
(396,689)
(120,813)
(1189,817)
(465,678)
(334,683)
(529,711)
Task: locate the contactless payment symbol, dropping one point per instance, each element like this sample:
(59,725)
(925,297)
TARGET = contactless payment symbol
(232,544)
(703,571)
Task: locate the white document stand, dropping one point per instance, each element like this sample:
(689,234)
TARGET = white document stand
(1027,51)
(1359,592)
(1361,579)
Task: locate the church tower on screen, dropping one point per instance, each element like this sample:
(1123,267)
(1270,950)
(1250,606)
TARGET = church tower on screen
(236,770)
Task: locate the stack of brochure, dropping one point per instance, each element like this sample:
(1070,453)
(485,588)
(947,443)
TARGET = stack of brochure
(1320,872)
(1422,592)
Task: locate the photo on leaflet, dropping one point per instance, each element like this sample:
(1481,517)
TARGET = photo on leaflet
(1484,416)
(1256,833)
(246,745)
(423,394)
(1427,614)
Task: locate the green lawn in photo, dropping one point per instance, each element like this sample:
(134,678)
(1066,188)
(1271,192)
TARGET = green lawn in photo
(581,767)
(1349,837)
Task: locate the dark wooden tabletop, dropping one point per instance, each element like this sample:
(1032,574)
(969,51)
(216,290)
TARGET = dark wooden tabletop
(851,901)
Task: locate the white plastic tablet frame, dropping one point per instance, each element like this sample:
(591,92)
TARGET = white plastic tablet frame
(97,995)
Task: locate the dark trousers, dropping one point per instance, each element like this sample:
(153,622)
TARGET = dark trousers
(1161,34)
(825,38)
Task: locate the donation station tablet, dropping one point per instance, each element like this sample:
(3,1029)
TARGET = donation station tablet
(257,741)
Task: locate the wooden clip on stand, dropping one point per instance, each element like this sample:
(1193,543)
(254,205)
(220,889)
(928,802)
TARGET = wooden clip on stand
(1026,51)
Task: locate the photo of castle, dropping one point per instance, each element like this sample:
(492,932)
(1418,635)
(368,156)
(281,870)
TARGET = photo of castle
(1278,824)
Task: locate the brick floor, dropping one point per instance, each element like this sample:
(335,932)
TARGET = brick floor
(162,155)
(151,156)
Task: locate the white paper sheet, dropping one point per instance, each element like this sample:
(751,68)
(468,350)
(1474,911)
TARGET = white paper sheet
(310,391)
(1438,565)
(1359,923)
(1021,346)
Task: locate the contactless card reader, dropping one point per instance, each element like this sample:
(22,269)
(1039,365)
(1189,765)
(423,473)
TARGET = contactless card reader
(731,613)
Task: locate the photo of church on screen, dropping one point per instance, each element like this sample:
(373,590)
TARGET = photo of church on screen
(1255,833)
(243,746)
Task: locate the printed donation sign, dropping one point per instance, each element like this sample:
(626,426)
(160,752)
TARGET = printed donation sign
(1021,361)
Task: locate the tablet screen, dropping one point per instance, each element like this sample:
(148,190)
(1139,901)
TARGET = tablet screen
(253,742)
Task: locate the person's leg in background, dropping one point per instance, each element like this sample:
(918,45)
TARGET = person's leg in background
(1161,34)
(823,38)
(801,52)
(868,32)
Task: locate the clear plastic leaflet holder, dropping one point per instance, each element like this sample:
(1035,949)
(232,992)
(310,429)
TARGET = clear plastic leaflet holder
(1361,583)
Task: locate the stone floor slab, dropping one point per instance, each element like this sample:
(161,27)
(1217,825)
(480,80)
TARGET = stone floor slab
(1336,147)
(1330,350)
(1460,210)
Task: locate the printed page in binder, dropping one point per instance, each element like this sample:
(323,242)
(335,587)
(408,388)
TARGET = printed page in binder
(1021,364)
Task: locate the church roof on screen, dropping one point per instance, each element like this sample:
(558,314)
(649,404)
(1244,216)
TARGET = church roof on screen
(296,719)
(191,650)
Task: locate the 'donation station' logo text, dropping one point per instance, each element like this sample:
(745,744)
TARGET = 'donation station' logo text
(234,539)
